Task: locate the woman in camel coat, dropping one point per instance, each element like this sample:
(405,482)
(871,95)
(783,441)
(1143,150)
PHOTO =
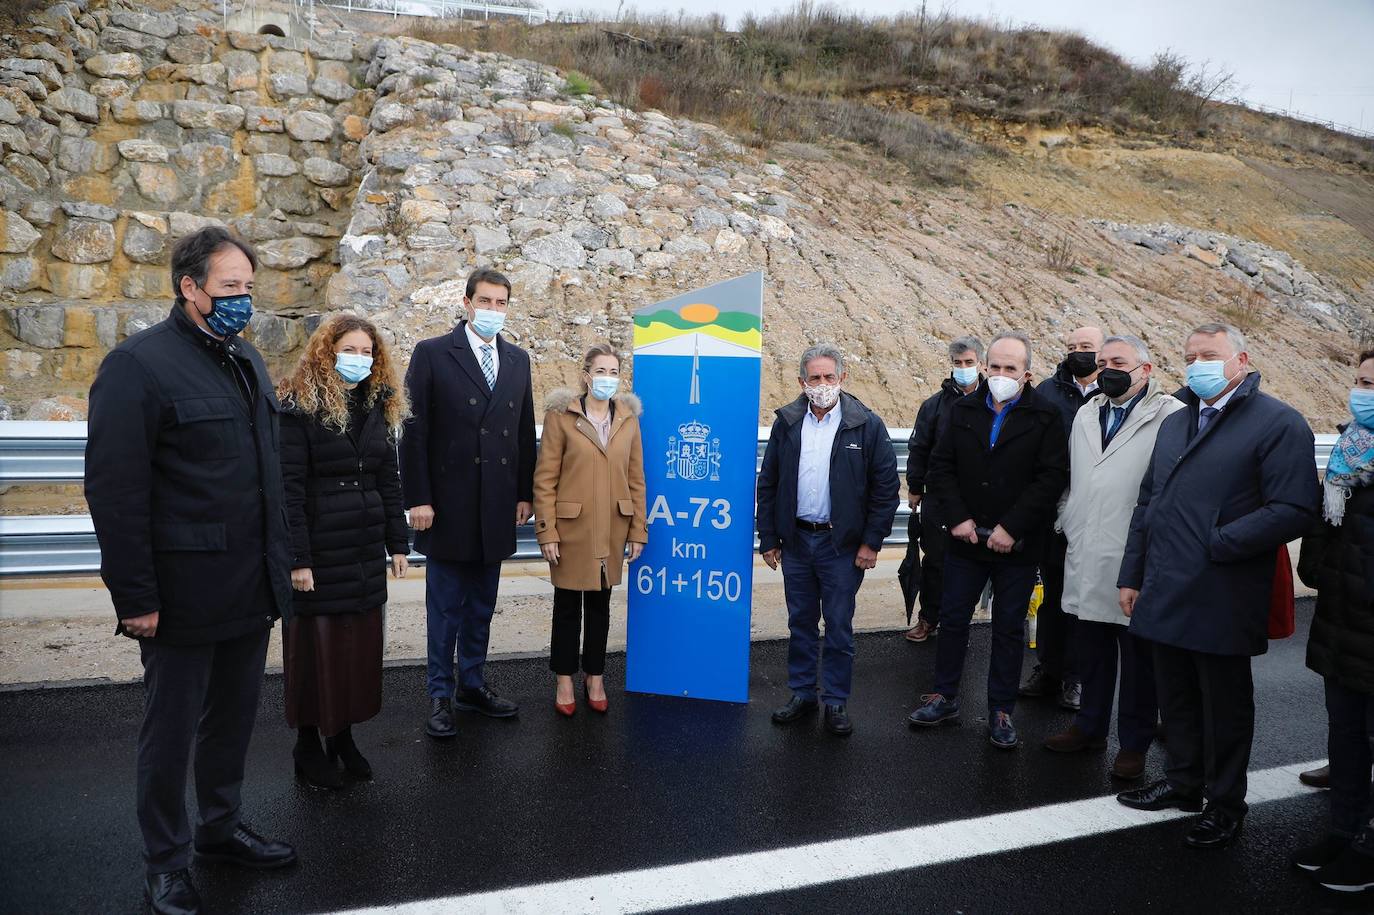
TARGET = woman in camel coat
(588,506)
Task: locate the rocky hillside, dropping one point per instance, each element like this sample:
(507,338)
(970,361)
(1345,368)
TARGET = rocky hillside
(374,173)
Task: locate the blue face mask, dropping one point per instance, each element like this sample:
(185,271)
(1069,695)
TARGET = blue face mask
(1208,379)
(229,314)
(488,323)
(965,376)
(352,367)
(604,388)
(1362,406)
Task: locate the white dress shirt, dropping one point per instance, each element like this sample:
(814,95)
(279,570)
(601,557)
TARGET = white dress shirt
(813,466)
(477,343)
(1086,391)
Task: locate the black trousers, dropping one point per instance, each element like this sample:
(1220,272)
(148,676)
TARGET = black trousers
(1350,727)
(1207,702)
(206,695)
(1102,649)
(568,610)
(1054,628)
(933,540)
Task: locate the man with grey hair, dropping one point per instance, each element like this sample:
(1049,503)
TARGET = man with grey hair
(1110,445)
(827,494)
(926,545)
(1230,482)
(995,474)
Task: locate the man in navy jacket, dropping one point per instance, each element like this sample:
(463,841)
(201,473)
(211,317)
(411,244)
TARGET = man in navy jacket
(827,495)
(1230,481)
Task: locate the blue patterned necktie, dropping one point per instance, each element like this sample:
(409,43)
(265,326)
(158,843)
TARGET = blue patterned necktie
(488,368)
(1208,414)
(1118,415)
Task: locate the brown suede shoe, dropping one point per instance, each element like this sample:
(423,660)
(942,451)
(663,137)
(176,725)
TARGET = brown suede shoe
(1074,741)
(1129,765)
(920,632)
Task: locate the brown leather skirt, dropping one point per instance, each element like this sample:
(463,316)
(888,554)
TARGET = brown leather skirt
(333,669)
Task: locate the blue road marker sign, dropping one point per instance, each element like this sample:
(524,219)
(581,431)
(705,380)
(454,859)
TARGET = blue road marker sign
(696,368)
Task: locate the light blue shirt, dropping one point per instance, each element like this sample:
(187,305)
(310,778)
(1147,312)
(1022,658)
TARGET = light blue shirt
(813,467)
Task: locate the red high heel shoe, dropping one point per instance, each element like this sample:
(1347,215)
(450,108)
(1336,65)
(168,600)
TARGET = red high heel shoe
(566,710)
(596,705)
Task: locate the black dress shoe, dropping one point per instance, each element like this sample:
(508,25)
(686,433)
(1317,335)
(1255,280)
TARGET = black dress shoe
(483,701)
(171,893)
(837,721)
(342,747)
(1159,796)
(440,722)
(248,849)
(796,709)
(1216,829)
(1038,684)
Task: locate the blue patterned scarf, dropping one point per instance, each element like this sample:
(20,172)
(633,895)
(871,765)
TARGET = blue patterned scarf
(1351,465)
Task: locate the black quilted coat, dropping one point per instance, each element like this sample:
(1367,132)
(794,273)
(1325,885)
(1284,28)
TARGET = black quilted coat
(343,505)
(1339,563)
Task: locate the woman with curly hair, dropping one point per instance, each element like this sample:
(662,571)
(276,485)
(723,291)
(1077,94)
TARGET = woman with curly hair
(343,409)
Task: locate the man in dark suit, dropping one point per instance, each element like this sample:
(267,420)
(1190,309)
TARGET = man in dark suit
(827,494)
(1055,674)
(996,474)
(467,466)
(183,479)
(1230,481)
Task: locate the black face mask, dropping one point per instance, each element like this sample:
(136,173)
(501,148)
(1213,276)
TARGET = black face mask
(1114,382)
(1081,365)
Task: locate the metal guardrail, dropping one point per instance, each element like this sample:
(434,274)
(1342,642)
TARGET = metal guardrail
(51,452)
(438,9)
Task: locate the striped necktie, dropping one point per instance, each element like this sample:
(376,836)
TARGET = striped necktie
(488,367)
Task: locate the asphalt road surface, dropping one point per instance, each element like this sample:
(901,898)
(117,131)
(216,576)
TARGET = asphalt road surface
(675,804)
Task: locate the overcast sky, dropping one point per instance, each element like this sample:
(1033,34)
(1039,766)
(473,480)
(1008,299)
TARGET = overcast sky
(1320,51)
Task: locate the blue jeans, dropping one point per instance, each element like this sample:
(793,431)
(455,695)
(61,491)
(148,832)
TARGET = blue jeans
(964,580)
(460,598)
(1097,646)
(819,581)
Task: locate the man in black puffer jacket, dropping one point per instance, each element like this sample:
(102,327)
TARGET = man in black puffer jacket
(183,479)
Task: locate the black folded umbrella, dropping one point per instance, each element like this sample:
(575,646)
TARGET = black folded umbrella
(909,572)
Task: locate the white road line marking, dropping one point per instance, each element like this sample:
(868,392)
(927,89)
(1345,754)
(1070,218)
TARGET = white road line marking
(756,873)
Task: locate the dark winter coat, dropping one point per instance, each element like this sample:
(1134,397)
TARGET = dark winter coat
(1016,484)
(925,431)
(343,504)
(1213,509)
(468,450)
(183,479)
(1339,563)
(1061,389)
(864,485)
